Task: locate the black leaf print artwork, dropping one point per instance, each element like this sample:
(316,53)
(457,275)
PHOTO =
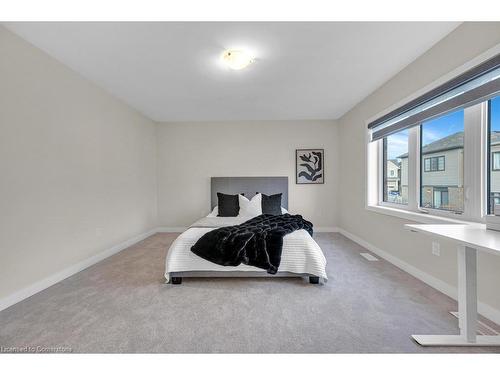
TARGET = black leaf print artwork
(312,165)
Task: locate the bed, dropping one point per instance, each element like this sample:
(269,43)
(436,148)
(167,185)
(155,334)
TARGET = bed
(301,255)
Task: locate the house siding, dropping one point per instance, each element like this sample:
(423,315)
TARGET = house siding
(453,169)
(451,178)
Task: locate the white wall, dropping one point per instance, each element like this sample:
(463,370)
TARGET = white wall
(385,232)
(191,153)
(77,167)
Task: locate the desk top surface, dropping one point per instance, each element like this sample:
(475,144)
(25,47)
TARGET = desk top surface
(476,236)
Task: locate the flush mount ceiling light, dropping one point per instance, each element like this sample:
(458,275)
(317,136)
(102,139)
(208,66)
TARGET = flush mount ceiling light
(236,59)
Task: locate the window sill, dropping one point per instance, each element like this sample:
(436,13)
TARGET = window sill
(416,216)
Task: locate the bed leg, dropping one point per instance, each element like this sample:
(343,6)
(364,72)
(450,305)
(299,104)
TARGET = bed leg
(176,280)
(314,279)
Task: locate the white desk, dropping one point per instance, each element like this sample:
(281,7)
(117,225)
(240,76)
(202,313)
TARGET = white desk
(470,239)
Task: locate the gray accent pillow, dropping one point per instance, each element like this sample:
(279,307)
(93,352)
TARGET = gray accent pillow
(271,204)
(229,205)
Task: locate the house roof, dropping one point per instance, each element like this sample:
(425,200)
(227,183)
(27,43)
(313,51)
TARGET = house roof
(451,142)
(396,162)
(495,138)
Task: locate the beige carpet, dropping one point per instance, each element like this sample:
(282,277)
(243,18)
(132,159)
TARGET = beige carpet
(122,305)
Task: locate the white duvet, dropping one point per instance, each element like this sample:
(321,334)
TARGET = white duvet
(300,255)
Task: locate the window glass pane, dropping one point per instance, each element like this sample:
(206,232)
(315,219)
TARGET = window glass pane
(427,164)
(443,143)
(434,164)
(396,168)
(441,163)
(494,146)
(437,199)
(496,160)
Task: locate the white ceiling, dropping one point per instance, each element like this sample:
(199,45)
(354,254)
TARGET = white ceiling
(172,72)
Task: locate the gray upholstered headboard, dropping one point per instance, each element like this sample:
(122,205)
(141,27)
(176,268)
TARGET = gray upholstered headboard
(249,186)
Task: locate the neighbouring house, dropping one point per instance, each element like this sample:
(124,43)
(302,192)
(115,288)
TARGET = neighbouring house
(442,168)
(393,177)
(442,173)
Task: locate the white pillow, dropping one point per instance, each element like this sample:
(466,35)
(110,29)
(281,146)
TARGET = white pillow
(214,212)
(250,208)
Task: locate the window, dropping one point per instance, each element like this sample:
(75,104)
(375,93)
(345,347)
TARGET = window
(440,197)
(494,151)
(395,180)
(495,160)
(443,189)
(433,164)
(439,152)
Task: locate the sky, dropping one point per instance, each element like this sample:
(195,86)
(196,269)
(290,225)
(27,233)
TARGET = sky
(495,114)
(397,144)
(442,127)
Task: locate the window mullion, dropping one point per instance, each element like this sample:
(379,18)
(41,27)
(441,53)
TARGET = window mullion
(473,160)
(413,168)
(380,174)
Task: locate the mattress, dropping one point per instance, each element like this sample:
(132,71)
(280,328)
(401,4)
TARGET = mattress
(301,255)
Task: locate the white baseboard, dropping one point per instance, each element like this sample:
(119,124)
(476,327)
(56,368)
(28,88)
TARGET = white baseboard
(171,229)
(451,291)
(326,229)
(67,272)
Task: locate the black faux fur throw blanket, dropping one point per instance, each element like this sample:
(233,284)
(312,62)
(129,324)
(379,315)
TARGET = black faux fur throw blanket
(257,242)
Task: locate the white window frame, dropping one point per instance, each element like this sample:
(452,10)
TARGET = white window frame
(474,125)
(474,178)
(491,220)
(381,202)
(379,155)
(477,207)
